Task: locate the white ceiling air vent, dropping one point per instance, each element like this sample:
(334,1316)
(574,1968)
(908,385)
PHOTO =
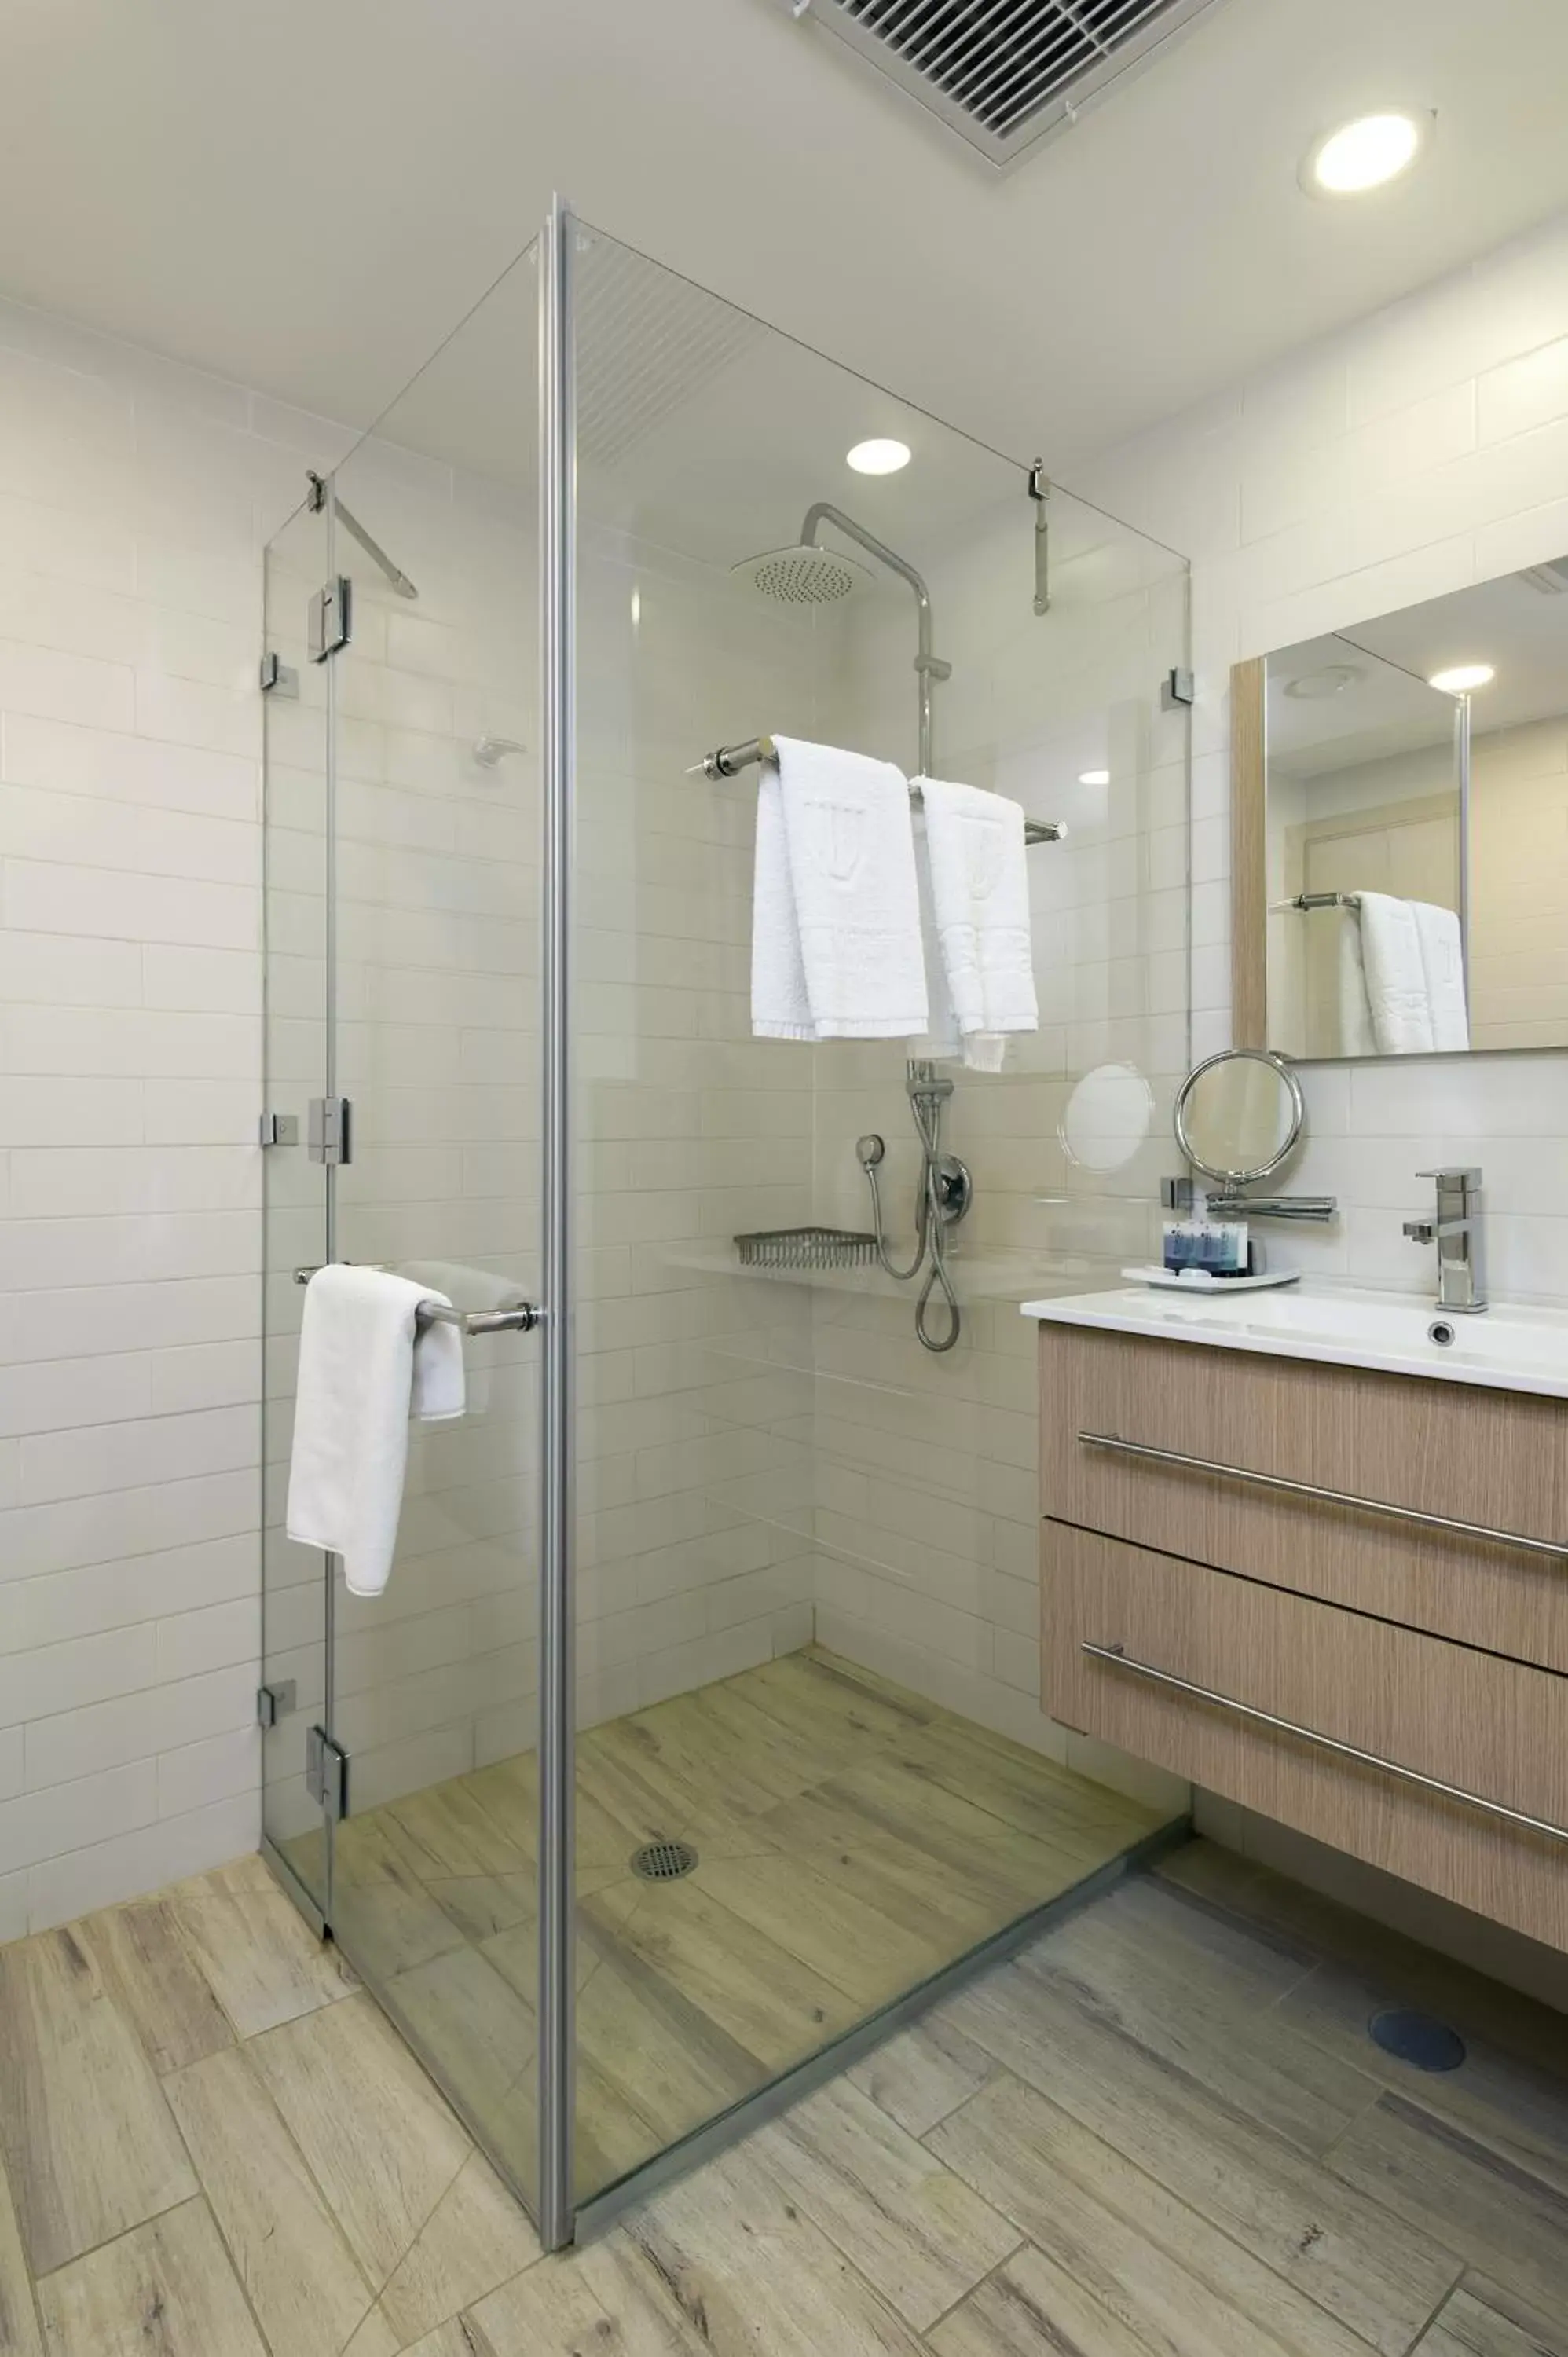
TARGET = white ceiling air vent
(1002,73)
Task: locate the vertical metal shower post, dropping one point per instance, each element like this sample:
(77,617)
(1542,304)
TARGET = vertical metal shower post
(1462,739)
(557,1697)
(328,503)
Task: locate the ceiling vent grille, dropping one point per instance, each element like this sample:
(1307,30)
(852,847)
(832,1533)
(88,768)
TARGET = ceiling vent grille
(1004,73)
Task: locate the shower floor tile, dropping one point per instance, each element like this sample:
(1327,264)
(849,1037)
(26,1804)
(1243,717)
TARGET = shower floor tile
(851,1840)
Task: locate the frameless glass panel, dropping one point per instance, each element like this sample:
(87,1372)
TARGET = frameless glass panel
(812,1767)
(294,1587)
(438,1020)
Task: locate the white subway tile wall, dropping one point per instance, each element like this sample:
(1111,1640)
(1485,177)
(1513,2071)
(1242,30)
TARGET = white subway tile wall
(1425,449)
(133,499)
(926,1482)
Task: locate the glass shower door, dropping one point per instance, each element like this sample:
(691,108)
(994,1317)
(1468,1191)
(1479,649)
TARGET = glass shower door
(435,1015)
(295,1586)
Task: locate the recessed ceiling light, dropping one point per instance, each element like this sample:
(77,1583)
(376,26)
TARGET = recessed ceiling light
(1365,154)
(1094,777)
(1462,677)
(1310,686)
(878,457)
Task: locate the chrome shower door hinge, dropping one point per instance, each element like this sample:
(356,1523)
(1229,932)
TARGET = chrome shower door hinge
(326,1773)
(278,678)
(273,1703)
(279,1129)
(331,1130)
(1177,687)
(330,620)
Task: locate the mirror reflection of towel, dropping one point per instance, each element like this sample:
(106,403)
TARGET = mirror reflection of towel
(1415,977)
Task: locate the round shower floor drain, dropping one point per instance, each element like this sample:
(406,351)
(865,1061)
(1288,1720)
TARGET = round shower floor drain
(1416,2038)
(663,1861)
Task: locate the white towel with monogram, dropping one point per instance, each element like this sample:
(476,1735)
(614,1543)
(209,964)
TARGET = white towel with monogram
(835,933)
(980,897)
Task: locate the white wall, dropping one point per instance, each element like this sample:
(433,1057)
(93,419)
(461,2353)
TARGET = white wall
(133,496)
(1422,451)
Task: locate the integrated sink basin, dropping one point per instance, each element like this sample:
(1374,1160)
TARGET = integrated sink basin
(1505,1349)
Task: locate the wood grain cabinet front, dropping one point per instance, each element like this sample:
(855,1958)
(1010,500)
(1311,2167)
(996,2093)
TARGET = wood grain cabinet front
(1438,1762)
(1450,1505)
(1337,1598)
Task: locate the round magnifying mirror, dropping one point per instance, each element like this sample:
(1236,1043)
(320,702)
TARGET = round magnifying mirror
(1237,1116)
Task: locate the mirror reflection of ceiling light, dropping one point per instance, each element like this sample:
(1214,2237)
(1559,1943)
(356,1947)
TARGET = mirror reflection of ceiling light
(1462,678)
(1365,154)
(1094,777)
(1333,679)
(878,457)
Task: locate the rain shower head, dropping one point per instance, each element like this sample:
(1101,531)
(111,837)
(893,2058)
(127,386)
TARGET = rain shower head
(804,576)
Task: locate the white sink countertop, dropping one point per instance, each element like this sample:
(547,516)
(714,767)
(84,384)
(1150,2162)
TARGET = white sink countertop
(1504,1349)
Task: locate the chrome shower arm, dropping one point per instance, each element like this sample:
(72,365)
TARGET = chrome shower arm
(928,665)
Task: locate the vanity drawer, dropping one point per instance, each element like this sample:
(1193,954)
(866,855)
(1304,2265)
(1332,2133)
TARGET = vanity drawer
(1489,1458)
(1493,1729)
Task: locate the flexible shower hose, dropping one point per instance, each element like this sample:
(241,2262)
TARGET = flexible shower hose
(930,1227)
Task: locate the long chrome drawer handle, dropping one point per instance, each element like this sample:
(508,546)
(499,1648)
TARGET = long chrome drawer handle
(1117,1660)
(1313,1490)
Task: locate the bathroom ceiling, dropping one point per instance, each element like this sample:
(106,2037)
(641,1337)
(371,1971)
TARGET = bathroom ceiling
(308,197)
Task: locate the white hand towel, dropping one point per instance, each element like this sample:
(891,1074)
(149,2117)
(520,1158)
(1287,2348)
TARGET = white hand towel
(835,915)
(1442,963)
(980,892)
(1396,976)
(1355,1038)
(363,1375)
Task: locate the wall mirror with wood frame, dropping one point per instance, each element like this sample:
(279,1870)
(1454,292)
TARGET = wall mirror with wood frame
(1399,830)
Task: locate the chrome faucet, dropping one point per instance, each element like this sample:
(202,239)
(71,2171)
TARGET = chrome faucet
(1457,1233)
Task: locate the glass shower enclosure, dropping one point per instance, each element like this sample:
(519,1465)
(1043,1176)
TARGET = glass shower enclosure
(695,1737)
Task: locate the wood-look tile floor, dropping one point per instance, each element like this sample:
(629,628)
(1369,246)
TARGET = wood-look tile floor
(852,1839)
(1160,2132)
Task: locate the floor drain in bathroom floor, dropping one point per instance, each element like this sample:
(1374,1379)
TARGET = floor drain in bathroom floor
(663,1861)
(1416,2038)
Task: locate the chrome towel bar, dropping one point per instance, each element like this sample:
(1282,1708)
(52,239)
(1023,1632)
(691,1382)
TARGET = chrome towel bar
(1115,1657)
(728,760)
(1109,1441)
(520,1320)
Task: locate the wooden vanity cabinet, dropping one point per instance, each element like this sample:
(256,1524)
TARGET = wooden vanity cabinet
(1384,1668)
